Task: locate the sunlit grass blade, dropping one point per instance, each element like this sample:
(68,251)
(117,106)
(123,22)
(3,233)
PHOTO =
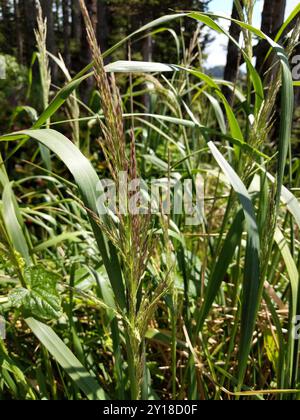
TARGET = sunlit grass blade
(12,224)
(256,80)
(253,287)
(83,379)
(139,67)
(88,182)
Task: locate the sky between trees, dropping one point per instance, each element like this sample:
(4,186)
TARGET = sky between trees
(217,50)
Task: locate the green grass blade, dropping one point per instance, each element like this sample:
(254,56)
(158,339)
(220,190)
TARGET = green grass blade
(290,18)
(256,80)
(59,100)
(287,94)
(66,359)
(218,111)
(13,225)
(54,242)
(252,289)
(235,129)
(293,274)
(286,120)
(289,200)
(87,181)
(231,242)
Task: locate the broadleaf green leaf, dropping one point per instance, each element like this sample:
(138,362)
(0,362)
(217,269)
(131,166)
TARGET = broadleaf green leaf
(41,299)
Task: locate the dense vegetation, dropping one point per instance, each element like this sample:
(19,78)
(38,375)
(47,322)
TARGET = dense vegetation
(130,305)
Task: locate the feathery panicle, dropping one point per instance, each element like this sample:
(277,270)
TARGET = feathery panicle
(41,40)
(113,128)
(133,237)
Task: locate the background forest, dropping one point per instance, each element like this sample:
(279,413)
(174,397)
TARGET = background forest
(112,20)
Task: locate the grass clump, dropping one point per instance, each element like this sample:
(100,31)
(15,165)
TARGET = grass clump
(132,305)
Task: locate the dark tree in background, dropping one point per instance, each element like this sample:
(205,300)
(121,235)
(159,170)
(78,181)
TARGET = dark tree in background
(231,70)
(273,16)
(19,35)
(17,21)
(47,6)
(103,25)
(272,20)
(113,19)
(66,6)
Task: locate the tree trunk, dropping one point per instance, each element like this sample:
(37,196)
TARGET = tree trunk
(76,22)
(4,9)
(66,31)
(47,6)
(28,10)
(6,24)
(272,20)
(85,49)
(19,35)
(102,25)
(233,56)
(92,9)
